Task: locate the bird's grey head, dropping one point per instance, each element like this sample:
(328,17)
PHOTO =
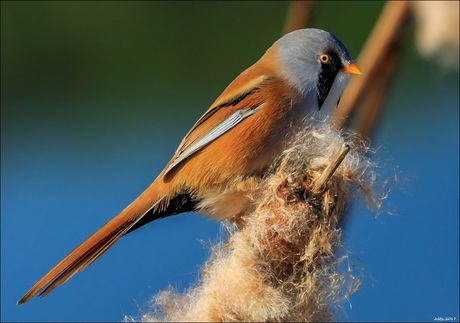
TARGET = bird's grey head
(315,62)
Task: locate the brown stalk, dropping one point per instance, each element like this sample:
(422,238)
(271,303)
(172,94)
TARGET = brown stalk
(298,15)
(365,94)
(320,184)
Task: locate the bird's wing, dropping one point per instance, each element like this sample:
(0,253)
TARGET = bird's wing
(230,109)
(227,112)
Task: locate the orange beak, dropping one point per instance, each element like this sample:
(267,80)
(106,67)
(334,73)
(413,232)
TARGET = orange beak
(351,68)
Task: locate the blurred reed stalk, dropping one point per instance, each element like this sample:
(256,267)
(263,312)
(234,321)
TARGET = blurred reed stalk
(365,95)
(298,15)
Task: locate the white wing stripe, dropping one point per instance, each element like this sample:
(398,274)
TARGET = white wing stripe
(221,128)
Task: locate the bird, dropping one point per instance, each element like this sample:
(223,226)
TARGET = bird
(230,149)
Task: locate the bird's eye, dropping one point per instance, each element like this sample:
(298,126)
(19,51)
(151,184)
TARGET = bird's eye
(325,58)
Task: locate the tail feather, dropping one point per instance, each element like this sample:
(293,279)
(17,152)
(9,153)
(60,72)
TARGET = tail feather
(93,247)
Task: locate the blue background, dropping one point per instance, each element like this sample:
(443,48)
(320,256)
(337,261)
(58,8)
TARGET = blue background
(95,99)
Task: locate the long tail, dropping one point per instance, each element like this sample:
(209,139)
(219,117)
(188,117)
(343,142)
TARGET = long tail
(98,243)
